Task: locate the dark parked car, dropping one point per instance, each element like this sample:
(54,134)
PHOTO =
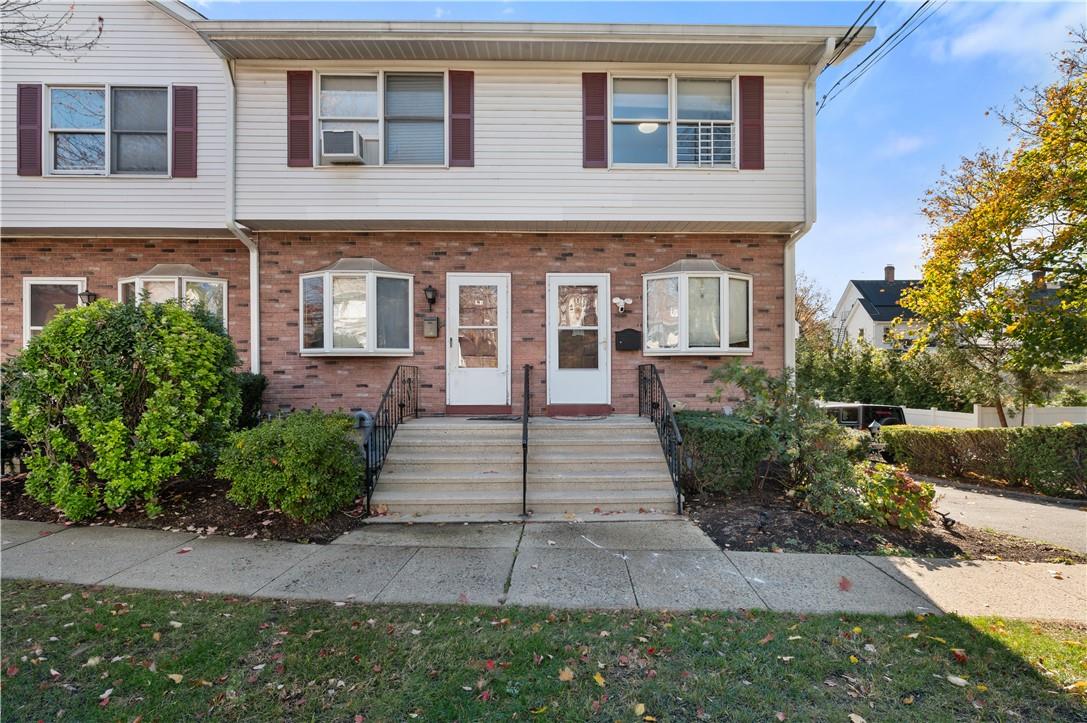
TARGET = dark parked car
(861,416)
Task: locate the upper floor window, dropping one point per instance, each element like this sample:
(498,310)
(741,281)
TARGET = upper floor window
(42,297)
(672,121)
(697,307)
(182,283)
(403,125)
(126,135)
(356,307)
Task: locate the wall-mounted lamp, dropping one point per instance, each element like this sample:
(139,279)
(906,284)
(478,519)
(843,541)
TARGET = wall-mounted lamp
(87,297)
(621,304)
(431,295)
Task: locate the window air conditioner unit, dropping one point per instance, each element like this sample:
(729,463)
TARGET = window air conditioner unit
(342,147)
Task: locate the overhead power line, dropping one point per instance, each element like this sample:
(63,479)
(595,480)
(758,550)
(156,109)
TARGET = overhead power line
(926,10)
(854,30)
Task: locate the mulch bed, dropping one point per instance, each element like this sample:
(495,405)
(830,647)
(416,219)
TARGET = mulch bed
(190,506)
(767,521)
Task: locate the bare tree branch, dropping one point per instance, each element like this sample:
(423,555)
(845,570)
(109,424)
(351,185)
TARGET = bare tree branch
(32,26)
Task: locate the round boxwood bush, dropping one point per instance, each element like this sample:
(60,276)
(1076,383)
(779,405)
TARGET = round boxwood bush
(305,464)
(117,399)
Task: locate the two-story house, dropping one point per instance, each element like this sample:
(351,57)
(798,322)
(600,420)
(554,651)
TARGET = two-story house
(869,311)
(467,197)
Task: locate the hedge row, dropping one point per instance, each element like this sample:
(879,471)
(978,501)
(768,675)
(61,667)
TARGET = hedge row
(1052,460)
(722,453)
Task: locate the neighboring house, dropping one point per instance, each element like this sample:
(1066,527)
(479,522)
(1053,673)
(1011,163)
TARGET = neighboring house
(318,183)
(868,309)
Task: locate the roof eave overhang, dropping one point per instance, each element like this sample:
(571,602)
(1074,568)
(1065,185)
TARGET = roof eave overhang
(546,42)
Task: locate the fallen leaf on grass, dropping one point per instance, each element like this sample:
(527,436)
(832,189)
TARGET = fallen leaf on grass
(854,659)
(639,709)
(767,639)
(956,680)
(566,675)
(780,715)
(538,711)
(912,636)
(175,624)
(93,661)
(176,677)
(960,655)
(599,679)
(106,695)
(1080,686)
(854,718)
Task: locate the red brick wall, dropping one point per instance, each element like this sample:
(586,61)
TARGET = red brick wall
(353,383)
(103,261)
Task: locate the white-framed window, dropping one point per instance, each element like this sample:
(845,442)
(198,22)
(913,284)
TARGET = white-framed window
(400,117)
(675,121)
(356,307)
(700,311)
(108,130)
(42,296)
(176,282)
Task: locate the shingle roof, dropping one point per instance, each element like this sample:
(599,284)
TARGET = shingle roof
(880,298)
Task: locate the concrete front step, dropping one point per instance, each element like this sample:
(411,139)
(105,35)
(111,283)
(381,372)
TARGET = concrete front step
(455,466)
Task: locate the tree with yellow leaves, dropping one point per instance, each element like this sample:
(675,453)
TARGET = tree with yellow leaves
(1004,280)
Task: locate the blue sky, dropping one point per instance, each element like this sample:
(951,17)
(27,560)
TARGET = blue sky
(880,144)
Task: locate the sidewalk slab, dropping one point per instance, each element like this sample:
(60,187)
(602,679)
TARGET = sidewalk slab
(660,535)
(220,565)
(1071,579)
(16,532)
(571,579)
(811,583)
(340,572)
(87,555)
(435,535)
(450,575)
(688,580)
(985,588)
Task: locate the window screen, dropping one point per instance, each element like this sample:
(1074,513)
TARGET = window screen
(139,123)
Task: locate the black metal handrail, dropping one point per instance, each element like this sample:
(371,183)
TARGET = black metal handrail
(525,407)
(401,400)
(653,403)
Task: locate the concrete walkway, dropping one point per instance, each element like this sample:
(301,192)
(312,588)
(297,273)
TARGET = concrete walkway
(624,564)
(1056,522)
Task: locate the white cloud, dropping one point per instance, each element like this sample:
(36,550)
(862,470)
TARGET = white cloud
(1015,30)
(440,12)
(898,145)
(507,11)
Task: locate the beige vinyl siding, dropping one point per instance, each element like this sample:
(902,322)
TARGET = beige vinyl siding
(528,163)
(140,45)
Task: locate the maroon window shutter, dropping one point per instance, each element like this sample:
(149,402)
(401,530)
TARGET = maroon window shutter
(29,131)
(299,118)
(184,126)
(594,116)
(752,153)
(461,123)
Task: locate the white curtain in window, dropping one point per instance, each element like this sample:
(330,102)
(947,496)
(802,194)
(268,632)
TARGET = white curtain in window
(704,312)
(349,312)
(662,313)
(739,334)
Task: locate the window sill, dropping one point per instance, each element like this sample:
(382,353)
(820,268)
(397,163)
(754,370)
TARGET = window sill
(397,166)
(706,169)
(349,353)
(698,352)
(95,174)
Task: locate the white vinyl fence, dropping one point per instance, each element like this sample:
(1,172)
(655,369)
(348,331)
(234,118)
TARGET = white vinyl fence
(987,417)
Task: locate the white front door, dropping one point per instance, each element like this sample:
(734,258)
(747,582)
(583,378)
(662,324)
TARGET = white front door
(578,352)
(477,339)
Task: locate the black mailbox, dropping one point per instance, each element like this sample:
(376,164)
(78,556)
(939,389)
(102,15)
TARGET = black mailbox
(628,340)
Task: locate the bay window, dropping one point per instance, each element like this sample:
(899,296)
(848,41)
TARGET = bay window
(182,283)
(356,307)
(697,307)
(679,122)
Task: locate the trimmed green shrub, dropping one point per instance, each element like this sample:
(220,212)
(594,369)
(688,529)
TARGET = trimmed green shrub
(1052,460)
(723,453)
(858,444)
(305,464)
(252,388)
(892,497)
(116,399)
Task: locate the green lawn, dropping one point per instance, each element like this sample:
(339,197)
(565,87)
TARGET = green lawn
(110,654)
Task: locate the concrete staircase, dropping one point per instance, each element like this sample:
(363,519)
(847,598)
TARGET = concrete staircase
(455,465)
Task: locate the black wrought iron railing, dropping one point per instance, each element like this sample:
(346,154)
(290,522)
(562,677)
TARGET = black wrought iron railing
(400,401)
(653,403)
(525,410)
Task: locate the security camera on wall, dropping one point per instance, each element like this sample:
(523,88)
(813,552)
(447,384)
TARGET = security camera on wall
(621,304)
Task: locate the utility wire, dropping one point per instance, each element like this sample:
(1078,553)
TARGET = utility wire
(881,56)
(850,35)
(888,39)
